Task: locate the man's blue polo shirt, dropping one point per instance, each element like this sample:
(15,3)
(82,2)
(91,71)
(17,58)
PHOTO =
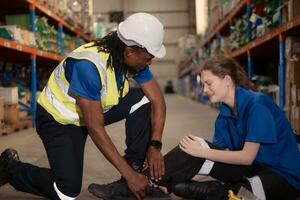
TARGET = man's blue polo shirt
(85,81)
(260,120)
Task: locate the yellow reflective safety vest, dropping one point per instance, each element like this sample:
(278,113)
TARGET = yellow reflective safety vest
(56,100)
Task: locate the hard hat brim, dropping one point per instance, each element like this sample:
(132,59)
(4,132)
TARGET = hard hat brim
(160,53)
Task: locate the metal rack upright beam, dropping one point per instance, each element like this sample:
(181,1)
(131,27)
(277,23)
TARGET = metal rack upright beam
(33,66)
(281,70)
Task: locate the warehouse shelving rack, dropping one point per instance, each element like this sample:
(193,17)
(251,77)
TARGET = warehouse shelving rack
(18,53)
(253,49)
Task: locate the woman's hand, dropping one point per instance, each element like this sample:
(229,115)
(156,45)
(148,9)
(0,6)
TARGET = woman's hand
(190,145)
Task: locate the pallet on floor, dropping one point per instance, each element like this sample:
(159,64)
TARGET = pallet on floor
(20,125)
(4,130)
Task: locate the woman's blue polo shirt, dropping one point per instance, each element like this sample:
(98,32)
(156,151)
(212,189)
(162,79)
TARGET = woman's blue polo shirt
(260,120)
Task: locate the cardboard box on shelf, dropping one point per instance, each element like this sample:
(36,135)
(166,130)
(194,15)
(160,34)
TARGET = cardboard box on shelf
(293,72)
(10,95)
(21,20)
(292,48)
(292,111)
(1,111)
(22,115)
(288,102)
(295,95)
(293,9)
(296,123)
(215,15)
(11,113)
(14,32)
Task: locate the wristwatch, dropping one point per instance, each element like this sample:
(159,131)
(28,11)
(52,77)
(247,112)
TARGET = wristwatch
(156,144)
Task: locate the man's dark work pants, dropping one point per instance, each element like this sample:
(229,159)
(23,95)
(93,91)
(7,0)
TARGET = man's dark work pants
(65,144)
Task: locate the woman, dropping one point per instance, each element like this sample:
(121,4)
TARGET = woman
(253,136)
(253,144)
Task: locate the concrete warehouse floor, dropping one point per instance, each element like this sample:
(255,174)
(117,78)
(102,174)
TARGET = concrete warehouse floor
(184,116)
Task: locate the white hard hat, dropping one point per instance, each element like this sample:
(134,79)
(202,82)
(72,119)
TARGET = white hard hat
(143,30)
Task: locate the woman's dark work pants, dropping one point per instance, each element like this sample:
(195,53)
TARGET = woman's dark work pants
(182,167)
(65,144)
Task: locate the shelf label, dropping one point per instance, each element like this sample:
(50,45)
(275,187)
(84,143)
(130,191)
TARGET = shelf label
(49,13)
(6,44)
(290,25)
(19,48)
(40,53)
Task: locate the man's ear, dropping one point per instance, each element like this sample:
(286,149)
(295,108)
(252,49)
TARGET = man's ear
(128,51)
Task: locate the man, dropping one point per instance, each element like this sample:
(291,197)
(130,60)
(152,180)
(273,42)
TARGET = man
(88,90)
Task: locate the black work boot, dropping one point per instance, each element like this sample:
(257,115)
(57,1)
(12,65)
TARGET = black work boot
(9,159)
(207,190)
(117,190)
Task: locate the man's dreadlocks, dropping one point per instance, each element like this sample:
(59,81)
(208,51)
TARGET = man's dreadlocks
(112,44)
(115,47)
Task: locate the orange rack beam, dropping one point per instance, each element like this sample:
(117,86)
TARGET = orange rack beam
(30,50)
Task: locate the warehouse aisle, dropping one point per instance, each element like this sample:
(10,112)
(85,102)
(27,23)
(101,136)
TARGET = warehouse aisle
(184,116)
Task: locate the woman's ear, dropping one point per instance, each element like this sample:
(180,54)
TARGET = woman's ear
(228,79)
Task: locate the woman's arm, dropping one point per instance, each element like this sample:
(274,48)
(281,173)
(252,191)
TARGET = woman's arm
(246,156)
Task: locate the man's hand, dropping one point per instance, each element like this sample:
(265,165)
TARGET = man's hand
(138,184)
(155,162)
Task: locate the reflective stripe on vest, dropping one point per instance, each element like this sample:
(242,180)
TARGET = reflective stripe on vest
(94,58)
(61,108)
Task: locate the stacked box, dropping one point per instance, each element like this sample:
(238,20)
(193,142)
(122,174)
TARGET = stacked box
(21,20)
(297,120)
(292,46)
(292,87)
(292,95)
(11,113)
(293,9)
(215,15)
(295,95)
(10,95)
(1,112)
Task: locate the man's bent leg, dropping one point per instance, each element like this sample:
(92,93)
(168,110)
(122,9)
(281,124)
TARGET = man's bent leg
(135,108)
(64,145)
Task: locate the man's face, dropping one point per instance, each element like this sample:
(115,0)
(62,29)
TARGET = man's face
(136,60)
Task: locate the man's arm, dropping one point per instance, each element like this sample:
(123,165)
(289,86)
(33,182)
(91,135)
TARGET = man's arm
(94,119)
(154,157)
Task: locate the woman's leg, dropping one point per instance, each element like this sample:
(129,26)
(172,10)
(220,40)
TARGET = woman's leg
(181,168)
(272,186)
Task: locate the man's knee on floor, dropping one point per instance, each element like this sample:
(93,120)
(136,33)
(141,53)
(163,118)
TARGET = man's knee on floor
(67,191)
